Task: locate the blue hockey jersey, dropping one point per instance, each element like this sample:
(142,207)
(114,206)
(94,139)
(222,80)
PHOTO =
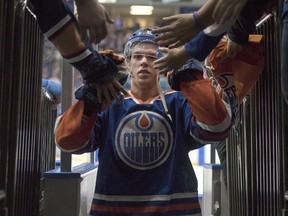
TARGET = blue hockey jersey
(144,167)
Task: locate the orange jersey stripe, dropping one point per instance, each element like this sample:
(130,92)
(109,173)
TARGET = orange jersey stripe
(145,209)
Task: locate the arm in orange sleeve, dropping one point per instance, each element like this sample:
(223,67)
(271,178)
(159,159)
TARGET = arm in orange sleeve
(73,129)
(204,101)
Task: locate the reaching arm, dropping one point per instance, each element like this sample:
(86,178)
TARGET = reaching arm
(227,9)
(212,117)
(73,129)
(238,34)
(181,28)
(201,46)
(198,48)
(60,26)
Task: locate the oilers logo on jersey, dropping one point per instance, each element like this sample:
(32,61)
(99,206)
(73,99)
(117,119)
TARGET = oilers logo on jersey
(144,140)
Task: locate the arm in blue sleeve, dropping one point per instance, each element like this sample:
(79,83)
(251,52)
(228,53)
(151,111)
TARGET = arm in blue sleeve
(53,17)
(201,45)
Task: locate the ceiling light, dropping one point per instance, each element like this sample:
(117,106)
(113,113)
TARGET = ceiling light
(107,1)
(141,10)
(169,1)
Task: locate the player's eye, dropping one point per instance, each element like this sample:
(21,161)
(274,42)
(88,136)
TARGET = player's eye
(137,56)
(148,57)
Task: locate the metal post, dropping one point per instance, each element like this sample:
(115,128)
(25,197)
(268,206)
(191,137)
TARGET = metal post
(67,86)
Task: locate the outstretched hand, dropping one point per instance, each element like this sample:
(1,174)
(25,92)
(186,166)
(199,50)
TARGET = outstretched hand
(227,9)
(93,17)
(180,29)
(172,59)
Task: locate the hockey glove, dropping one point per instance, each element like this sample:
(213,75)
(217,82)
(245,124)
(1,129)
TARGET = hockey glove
(94,102)
(121,76)
(188,72)
(88,94)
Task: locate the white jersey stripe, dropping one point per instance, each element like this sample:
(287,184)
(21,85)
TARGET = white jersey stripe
(80,57)
(155,198)
(58,26)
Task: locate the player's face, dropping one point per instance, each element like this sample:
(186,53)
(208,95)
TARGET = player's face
(141,64)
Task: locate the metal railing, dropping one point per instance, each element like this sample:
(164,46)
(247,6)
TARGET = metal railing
(26,117)
(255,149)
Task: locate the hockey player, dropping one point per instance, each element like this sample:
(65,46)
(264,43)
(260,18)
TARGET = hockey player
(144,140)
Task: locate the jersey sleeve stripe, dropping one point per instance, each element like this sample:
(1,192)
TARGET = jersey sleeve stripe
(60,25)
(78,57)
